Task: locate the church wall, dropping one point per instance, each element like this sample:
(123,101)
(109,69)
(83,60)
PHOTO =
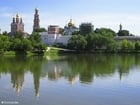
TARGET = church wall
(63,39)
(51,39)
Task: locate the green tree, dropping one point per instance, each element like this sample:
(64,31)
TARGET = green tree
(76,33)
(4,43)
(61,31)
(77,42)
(26,45)
(39,48)
(123,33)
(126,46)
(40,30)
(137,45)
(35,37)
(101,39)
(86,28)
(16,44)
(105,32)
(5,33)
(19,35)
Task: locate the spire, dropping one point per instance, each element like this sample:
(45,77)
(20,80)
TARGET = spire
(13,19)
(120,27)
(17,18)
(36,10)
(21,20)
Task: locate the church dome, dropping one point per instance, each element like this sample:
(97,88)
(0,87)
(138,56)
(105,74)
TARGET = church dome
(70,23)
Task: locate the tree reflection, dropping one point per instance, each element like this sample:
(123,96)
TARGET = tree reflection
(72,67)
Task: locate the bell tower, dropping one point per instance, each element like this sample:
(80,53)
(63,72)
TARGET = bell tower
(36,20)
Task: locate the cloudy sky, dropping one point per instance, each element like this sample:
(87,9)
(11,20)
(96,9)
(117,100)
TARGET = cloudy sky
(102,13)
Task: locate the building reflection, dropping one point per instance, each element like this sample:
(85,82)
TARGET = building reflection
(36,77)
(17,79)
(82,69)
(54,73)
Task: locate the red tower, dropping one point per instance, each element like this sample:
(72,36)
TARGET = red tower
(36,20)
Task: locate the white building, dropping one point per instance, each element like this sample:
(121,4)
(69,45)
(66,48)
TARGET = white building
(52,36)
(51,39)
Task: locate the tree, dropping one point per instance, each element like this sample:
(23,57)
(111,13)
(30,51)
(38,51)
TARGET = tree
(61,31)
(123,33)
(137,45)
(35,37)
(16,44)
(39,48)
(86,28)
(5,33)
(77,42)
(4,43)
(126,46)
(101,39)
(40,30)
(105,32)
(26,45)
(19,35)
(76,33)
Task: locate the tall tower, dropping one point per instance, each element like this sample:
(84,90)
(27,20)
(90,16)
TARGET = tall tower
(17,25)
(120,27)
(36,20)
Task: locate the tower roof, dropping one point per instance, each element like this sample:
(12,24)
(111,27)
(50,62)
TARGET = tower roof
(70,23)
(17,16)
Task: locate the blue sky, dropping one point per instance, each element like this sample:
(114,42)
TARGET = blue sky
(102,13)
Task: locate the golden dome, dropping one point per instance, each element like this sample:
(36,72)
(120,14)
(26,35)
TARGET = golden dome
(70,23)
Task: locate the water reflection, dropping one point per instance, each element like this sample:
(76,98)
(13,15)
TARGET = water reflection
(83,67)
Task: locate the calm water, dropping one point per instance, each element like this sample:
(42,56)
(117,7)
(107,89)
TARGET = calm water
(70,80)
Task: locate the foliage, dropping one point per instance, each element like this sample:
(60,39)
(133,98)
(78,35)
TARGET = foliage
(61,31)
(137,45)
(123,33)
(101,39)
(39,48)
(20,44)
(76,33)
(106,32)
(19,35)
(35,37)
(77,42)
(126,46)
(40,30)
(4,43)
(86,28)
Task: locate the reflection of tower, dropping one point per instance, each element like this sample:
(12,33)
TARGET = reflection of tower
(17,79)
(72,79)
(36,20)
(55,73)
(17,25)
(36,76)
(120,74)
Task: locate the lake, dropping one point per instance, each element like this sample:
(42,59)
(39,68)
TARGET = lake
(96,79)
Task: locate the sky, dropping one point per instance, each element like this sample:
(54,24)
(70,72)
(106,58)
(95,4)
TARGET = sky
(101,13)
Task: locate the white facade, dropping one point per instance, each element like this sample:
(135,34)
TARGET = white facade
(51,39)
(69,30)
